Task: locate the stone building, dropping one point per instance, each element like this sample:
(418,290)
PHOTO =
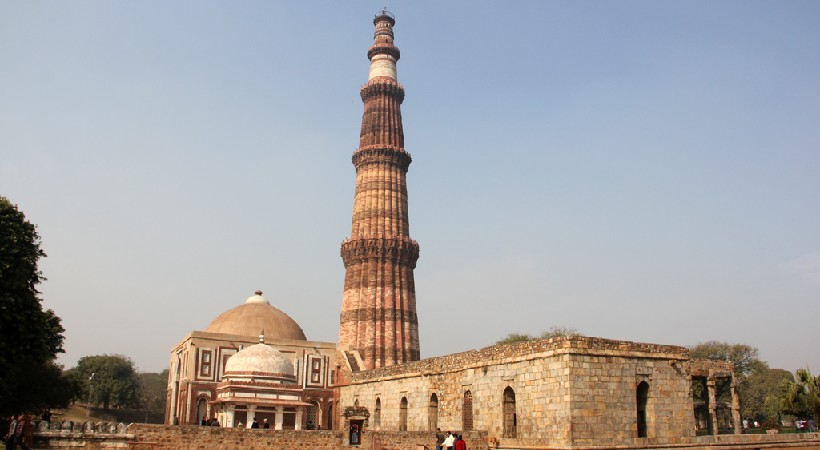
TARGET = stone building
(563,392)
(205,381)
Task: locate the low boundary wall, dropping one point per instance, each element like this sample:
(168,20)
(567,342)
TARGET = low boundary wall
(193,437)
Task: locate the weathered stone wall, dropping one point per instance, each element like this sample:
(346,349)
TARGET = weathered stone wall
(163,437)
(603,399)
(191,437)
(568,391)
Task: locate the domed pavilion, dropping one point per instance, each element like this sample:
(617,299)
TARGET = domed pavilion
(230,373)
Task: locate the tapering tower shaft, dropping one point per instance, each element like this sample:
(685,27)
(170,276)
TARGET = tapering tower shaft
(378,317)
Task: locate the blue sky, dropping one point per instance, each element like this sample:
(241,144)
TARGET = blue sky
(636,170)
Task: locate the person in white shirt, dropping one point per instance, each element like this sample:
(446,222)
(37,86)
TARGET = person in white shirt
(449,441)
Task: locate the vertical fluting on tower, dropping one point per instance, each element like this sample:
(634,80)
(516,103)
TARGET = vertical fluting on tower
(378,317)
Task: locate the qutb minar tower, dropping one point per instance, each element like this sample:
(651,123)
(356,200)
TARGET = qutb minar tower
(378,318)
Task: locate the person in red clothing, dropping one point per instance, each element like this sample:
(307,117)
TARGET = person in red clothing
(460,444)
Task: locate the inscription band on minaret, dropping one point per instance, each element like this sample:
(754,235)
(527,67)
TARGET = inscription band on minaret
(378,318)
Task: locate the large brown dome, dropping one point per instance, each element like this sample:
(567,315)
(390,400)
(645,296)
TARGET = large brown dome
(253,317)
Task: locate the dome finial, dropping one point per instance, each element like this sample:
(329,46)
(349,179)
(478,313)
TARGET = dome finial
(262,336)
(258,292)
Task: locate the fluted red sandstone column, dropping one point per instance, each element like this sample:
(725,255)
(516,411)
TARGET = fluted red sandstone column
(379,307)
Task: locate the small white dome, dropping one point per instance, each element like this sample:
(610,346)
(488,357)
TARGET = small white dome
(257,298)
(259,360)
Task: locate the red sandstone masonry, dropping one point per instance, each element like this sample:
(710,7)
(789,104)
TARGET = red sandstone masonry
(378,317)
(165,437)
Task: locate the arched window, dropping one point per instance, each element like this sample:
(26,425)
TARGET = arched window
(467,412)
(432,413)
(377,414)
(403,414)
(642,397)
(510,419)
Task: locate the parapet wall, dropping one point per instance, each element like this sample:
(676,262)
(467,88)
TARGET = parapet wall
(521,351)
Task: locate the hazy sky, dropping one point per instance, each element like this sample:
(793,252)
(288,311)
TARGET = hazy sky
(646,171)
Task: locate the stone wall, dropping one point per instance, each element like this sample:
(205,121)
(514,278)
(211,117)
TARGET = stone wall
(192,437)
(567,392)
(164,437)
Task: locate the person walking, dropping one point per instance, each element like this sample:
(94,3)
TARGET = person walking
(439,439)
(25,435)
(460,444)
(11,436)
(449,441)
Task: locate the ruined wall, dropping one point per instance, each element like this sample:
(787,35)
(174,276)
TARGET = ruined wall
(568,391)
(603,388)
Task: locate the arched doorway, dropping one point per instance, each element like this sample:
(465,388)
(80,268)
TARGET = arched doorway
(201,410)
(432,413)
(467,412)
(403,414)
(329,417)
(312,415)
(642,398)
(510,419)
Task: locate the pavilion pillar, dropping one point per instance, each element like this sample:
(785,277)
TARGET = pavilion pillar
(736,420)
(251,415)
(298,424)
(229,417)
(713,418)
(280,416)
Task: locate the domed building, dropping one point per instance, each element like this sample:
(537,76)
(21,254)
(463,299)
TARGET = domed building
(230,373)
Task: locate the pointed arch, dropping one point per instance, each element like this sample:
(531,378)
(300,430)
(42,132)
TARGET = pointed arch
(509,415)
(403,414)
(467,412)
(432,413)
(642,398)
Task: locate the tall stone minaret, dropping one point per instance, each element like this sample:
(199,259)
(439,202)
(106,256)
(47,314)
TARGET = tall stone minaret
(378,318)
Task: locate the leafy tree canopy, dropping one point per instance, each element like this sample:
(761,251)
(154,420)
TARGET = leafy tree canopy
(152,390)
(755,389)
(553,331)
(114,381)
(744,357)
(801,395)
(30,337)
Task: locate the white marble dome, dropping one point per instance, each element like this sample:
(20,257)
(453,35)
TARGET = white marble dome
(260,361)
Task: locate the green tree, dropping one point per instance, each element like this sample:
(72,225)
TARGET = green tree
(800,396)
(152,393)
(744,357)
(758,387)
(553,331)
(30,337)
(107,380)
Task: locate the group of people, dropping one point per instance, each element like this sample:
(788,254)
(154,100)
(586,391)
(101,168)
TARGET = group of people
(21,433)
(209,422)
(450,441)
(802,426)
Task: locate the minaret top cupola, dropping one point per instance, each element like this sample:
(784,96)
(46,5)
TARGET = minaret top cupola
(383,54)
